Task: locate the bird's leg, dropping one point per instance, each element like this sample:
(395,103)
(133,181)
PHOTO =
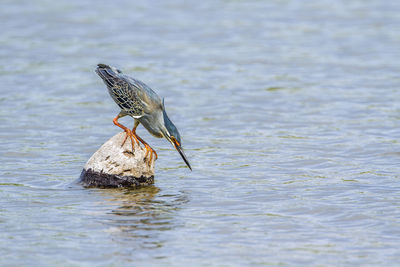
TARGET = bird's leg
(134,132)
(127,130)
(146,146)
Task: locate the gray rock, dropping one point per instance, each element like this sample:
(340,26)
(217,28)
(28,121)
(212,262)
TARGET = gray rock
(116,166)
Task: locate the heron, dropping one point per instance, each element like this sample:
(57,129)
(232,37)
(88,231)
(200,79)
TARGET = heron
(139,101)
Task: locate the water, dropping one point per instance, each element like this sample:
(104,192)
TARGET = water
(289,113)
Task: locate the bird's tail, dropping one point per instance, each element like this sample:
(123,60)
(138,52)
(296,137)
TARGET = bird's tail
(110,75)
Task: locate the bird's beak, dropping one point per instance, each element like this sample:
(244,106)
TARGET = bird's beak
(180,150)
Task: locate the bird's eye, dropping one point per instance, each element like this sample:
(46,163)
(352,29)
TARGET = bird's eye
(174,140)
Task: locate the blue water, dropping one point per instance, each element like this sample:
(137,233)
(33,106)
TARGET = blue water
(289,112)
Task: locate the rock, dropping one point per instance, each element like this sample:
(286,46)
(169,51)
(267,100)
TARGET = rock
(116,166)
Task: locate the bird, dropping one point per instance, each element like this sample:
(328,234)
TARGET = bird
(139,101)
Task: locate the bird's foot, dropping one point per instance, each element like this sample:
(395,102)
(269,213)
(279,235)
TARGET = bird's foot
(150,151)
(148,148)
(131,136)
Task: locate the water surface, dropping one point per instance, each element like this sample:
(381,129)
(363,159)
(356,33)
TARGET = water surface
(289,113)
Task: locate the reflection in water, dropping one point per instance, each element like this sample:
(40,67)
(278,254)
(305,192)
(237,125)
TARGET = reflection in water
(142,214)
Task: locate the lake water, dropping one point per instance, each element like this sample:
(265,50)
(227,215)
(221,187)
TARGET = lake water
(289,113)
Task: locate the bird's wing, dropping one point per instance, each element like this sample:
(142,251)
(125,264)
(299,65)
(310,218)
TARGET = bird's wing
(149,100)
(122,91)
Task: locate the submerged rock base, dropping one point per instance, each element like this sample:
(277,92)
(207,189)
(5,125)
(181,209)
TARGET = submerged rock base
(114,165)
(90,178)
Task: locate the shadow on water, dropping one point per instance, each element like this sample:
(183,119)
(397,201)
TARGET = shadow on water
(142,215)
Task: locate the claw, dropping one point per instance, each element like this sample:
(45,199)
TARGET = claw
(127,131)
(131,136)
(147,147)
(151,151)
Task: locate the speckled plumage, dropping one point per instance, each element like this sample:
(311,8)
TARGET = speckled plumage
(132,96)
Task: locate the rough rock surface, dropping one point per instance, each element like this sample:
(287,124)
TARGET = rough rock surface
(116,166)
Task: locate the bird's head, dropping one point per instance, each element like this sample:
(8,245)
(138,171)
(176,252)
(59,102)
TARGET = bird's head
(171,133)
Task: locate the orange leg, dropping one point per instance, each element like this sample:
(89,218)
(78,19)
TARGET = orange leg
(146,146)
(127,131)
